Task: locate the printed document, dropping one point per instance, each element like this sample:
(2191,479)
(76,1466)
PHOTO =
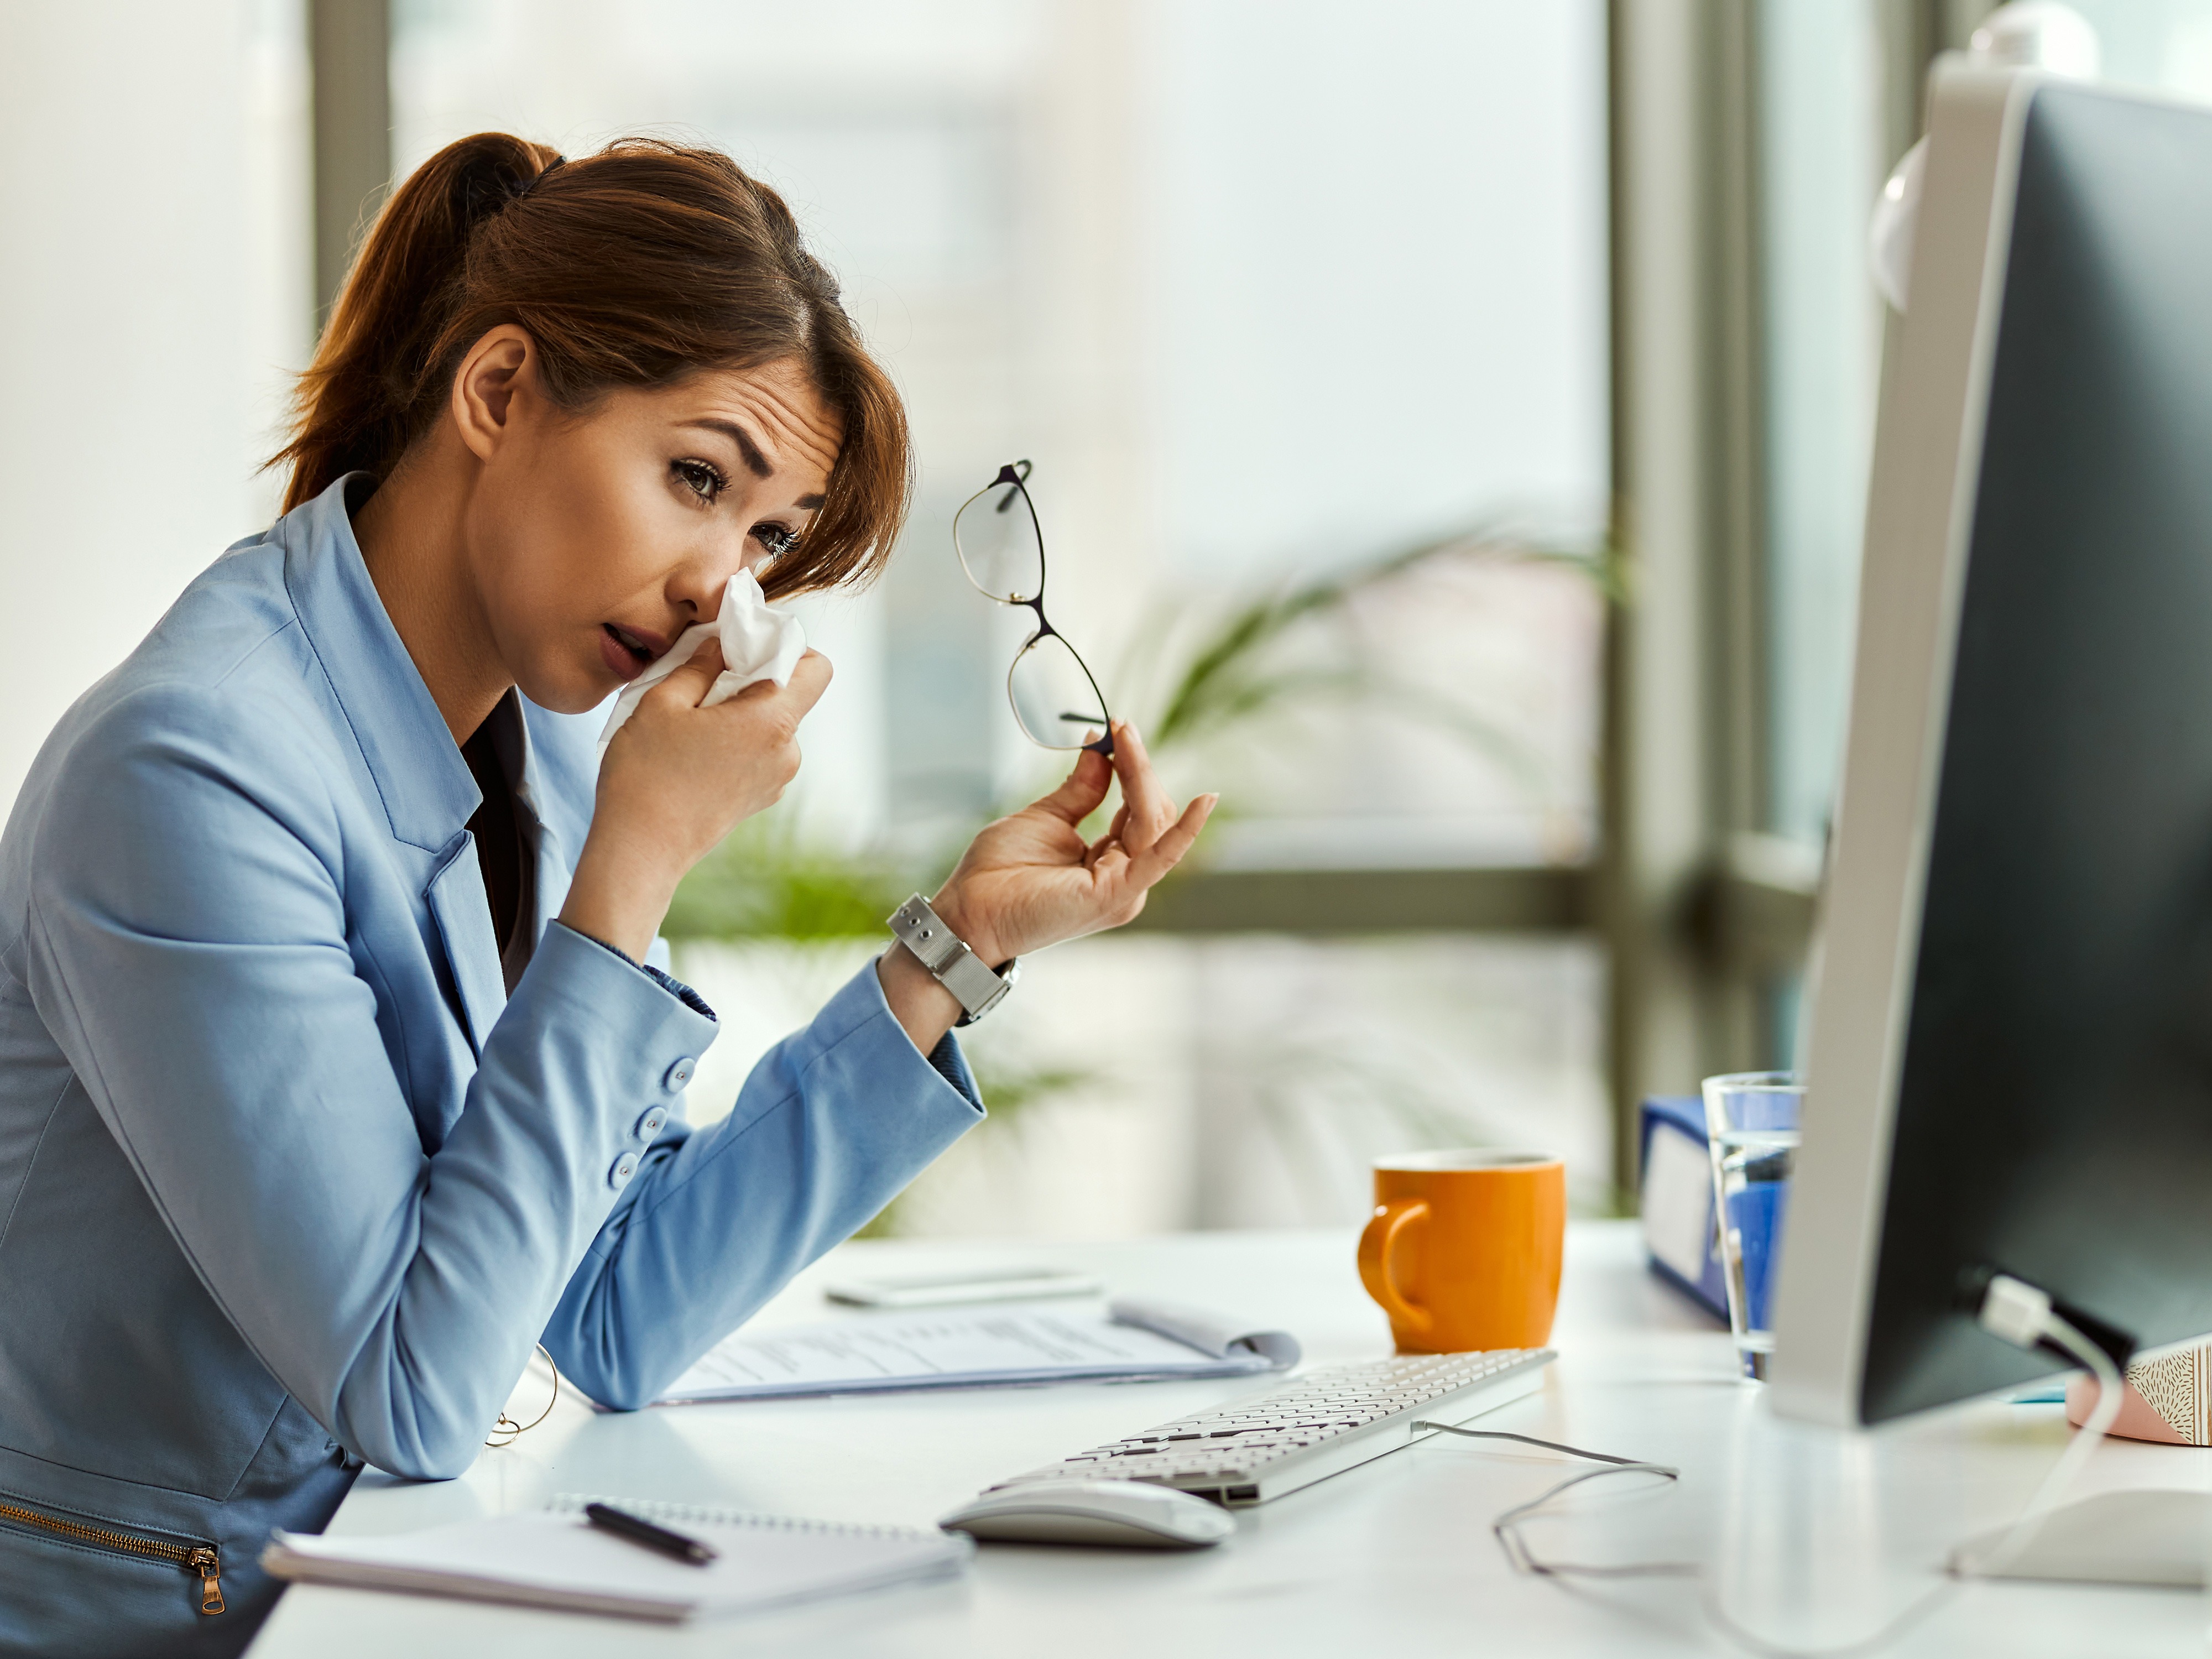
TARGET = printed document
(970,1347)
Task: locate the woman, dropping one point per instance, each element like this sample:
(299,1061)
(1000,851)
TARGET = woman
(333,1078)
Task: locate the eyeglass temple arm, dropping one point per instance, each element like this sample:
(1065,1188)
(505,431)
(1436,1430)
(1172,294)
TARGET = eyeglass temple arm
(1015,473)
(1103,745)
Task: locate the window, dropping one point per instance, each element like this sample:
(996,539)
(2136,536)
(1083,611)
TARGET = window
(1820,142)
(1268,292)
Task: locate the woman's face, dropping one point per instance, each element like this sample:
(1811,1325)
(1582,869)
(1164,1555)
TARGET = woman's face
(595,540)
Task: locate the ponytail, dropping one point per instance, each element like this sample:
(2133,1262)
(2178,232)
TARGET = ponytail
(635,267)
(360,400)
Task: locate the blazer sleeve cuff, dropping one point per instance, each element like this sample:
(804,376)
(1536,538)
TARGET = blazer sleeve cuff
(859,1018)
(622,996)
(667,981)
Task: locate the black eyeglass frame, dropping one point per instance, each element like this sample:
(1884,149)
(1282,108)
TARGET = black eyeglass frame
(1017,474)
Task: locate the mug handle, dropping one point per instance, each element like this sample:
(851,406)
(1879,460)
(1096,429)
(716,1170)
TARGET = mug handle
(1376,1244)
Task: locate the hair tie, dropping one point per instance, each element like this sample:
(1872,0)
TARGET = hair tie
(532,183)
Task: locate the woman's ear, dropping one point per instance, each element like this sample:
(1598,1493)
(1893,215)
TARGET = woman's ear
(498,366)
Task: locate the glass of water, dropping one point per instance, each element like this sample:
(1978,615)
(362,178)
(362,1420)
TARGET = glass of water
(1751,1128)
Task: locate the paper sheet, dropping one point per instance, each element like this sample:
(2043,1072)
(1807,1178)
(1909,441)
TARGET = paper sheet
(1205,1330)
(969,1347)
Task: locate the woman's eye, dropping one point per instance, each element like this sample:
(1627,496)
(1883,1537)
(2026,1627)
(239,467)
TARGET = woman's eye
(702,479)
(778,539)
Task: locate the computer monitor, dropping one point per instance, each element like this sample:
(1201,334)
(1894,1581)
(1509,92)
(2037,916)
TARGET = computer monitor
(2009,1056)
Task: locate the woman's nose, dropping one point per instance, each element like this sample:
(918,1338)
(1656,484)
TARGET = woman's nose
(696,586)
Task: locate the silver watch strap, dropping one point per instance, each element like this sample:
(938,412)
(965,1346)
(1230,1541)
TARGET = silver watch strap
(948,958)
(976,985)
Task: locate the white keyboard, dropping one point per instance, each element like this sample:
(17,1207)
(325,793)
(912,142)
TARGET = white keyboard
(1319,1424)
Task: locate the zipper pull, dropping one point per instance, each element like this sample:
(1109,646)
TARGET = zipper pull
(209,1566)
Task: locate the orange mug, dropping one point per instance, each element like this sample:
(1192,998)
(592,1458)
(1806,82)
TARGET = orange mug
(1464,1248)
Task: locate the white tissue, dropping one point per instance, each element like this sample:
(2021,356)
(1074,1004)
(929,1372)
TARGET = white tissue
(757,644)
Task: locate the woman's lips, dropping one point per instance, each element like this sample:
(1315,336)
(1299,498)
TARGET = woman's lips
(627,651)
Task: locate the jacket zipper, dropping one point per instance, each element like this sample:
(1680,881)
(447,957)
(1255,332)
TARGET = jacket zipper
(201,1558)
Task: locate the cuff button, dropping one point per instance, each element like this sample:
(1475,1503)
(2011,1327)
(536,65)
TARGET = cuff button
(679,1074)
(625,1167)
(650,1124)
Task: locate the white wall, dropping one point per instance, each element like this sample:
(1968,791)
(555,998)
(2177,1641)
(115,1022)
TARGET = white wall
(150,287)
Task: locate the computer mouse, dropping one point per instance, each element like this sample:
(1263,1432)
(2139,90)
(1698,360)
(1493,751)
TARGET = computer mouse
(1131,1513)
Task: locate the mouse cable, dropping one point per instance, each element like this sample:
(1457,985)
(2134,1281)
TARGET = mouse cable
(1507,1526)
(2017,1312)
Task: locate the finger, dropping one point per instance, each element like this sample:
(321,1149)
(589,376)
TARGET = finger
(1148,864)
(1109,861)
(788,704)
(810,676)
(1078,797)
(1111,841)
(691,681)
(1150,810)
(810,679)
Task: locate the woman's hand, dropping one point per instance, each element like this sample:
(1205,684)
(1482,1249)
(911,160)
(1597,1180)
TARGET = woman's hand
(676,780)
(1031,880)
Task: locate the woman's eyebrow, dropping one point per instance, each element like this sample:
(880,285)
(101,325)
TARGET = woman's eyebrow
(756,462)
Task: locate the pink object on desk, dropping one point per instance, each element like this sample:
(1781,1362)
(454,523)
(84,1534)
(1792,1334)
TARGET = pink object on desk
(2166,1400)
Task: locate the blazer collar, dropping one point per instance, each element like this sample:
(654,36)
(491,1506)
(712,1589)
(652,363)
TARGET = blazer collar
(425,784)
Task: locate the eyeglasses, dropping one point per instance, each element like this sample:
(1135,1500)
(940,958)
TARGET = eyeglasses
(1054,697)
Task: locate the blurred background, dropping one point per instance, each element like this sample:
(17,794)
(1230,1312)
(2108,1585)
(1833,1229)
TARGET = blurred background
(1450,420)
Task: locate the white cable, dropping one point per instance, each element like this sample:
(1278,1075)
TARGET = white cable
(1506,1528)
(2017,1312)
(2111,1390)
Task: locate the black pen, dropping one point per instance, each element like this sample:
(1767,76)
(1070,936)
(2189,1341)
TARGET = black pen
(653,1537)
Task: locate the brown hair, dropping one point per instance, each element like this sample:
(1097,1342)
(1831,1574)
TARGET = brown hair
(634,267)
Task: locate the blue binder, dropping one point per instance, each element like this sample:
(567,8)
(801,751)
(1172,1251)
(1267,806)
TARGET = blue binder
(1676,1200)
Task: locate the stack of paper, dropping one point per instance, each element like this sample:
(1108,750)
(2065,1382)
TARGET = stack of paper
(1129,1341)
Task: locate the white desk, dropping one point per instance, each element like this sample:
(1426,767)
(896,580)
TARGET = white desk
(1815,1534)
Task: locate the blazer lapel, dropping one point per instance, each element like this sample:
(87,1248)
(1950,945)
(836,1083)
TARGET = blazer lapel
(458,904)
(426,787)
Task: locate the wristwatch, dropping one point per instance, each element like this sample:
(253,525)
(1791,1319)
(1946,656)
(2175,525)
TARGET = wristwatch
(950,961)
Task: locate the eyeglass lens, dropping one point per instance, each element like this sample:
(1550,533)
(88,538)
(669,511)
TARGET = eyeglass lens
(1053,697)
(996,535)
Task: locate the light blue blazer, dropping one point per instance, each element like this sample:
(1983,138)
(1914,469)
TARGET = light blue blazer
(288,1183)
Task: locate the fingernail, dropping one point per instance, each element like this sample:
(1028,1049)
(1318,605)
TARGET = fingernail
(1089,736)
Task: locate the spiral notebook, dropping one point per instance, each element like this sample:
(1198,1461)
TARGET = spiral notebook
(553,1558)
